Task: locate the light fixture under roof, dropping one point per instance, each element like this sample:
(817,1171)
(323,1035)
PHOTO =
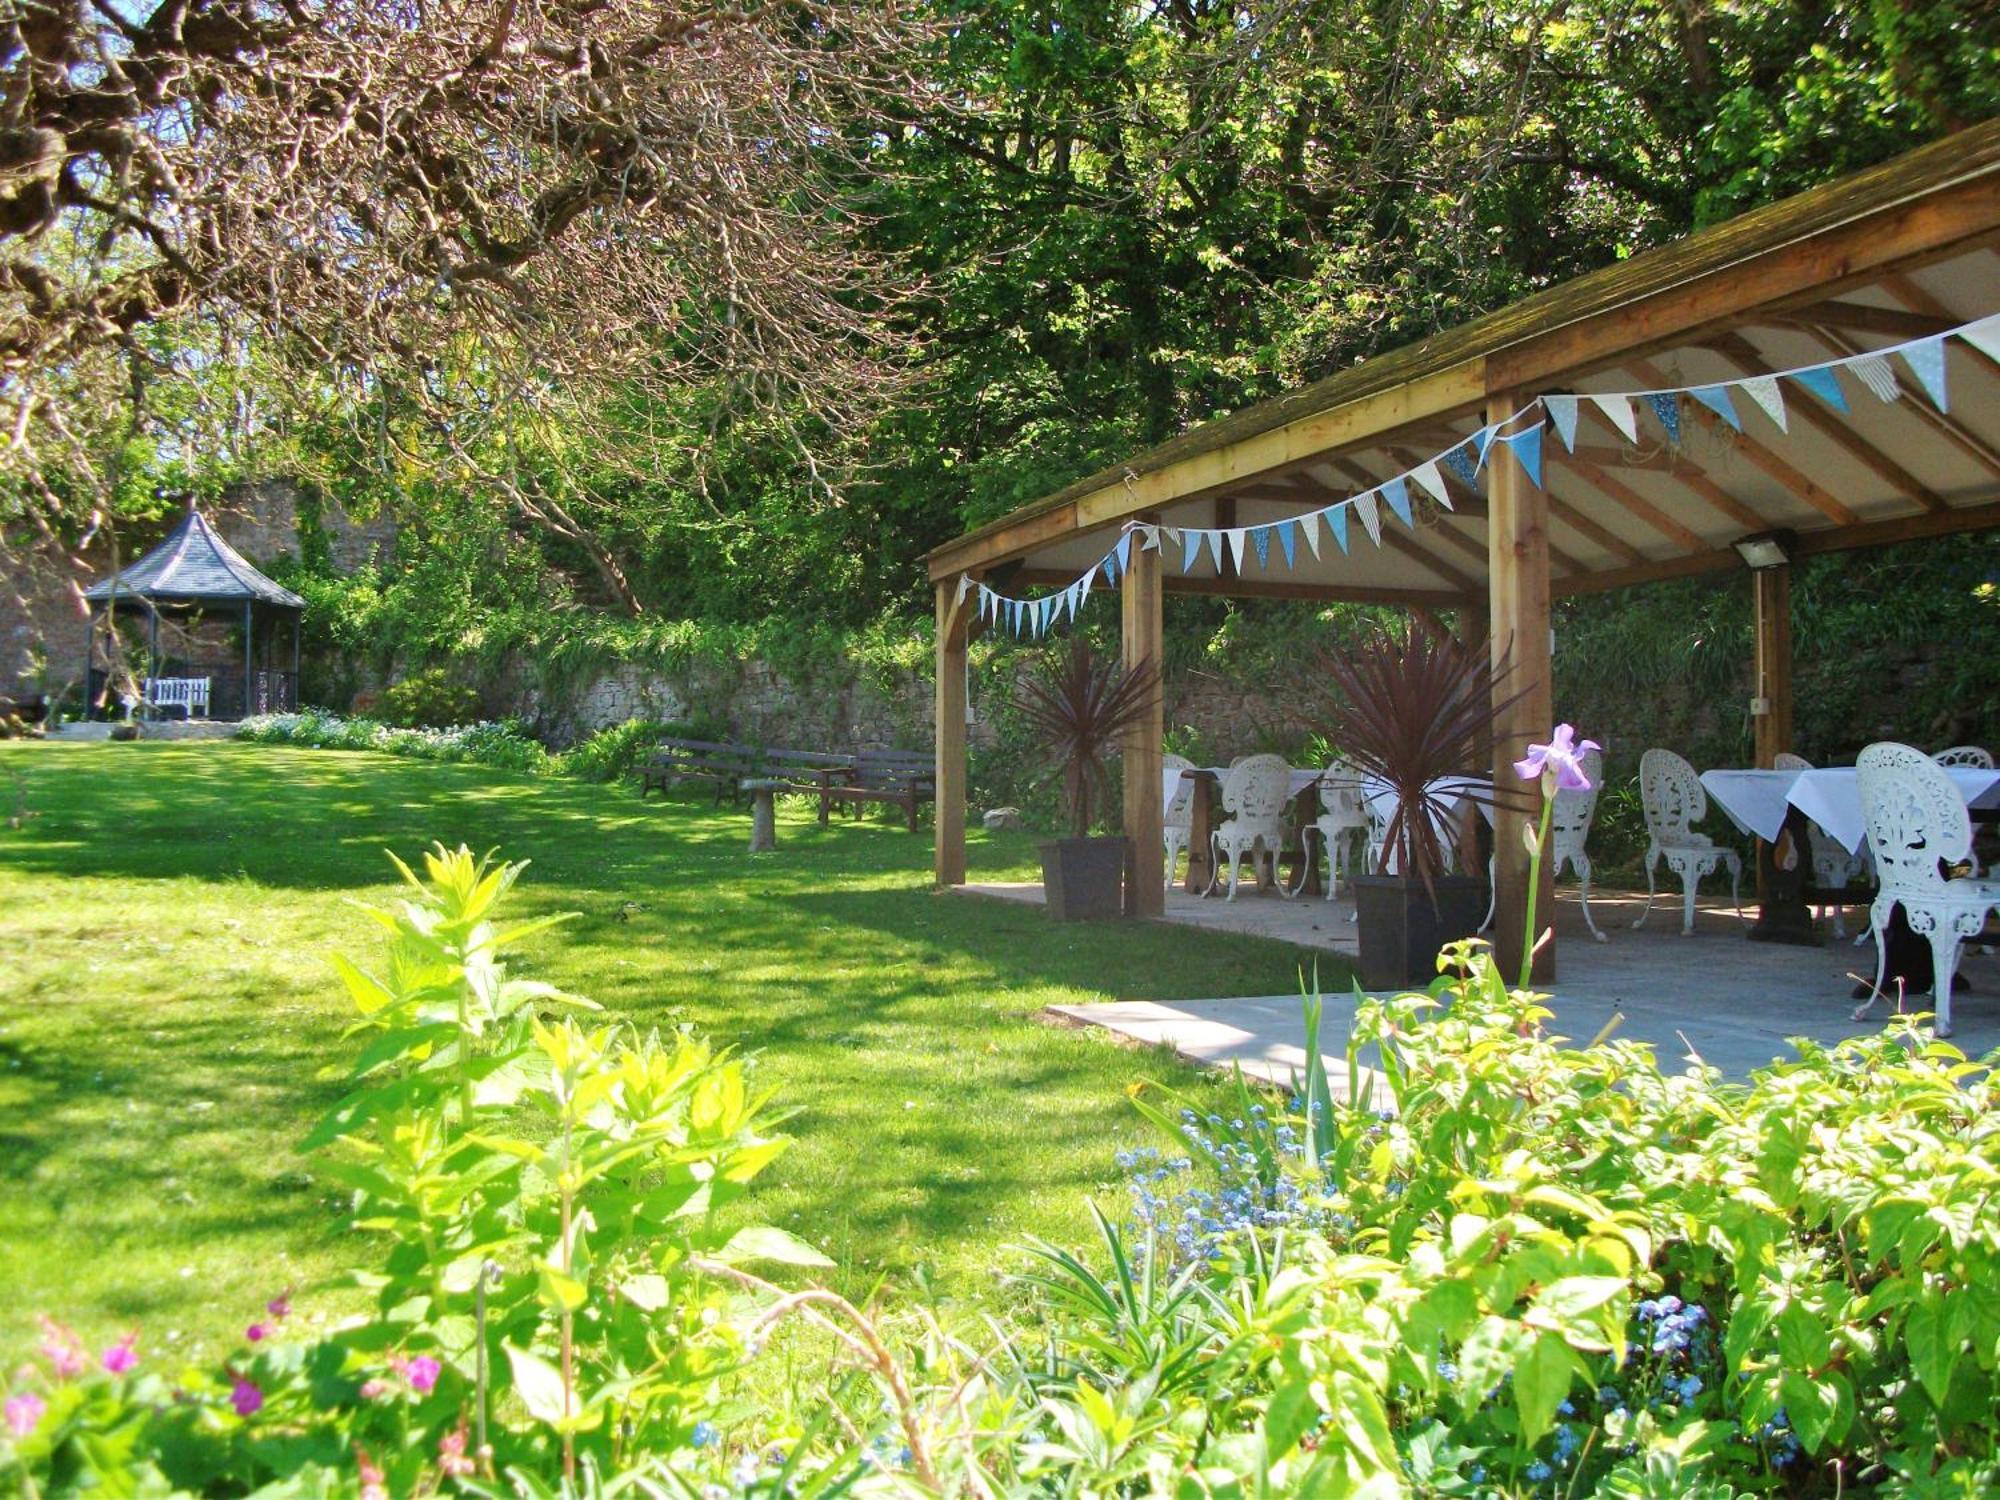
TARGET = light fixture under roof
(1766,549)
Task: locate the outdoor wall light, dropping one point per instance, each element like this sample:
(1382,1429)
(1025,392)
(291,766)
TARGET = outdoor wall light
(1766,549)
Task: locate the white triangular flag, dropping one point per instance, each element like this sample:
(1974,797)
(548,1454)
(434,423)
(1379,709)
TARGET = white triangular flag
(1763,389)
(1309,523)
(1150,539)
(1619,410)
(1236,537)
(1984,336)
(1925,357)
(964,587)
(1428,475)
(1371,516)
(1562,412)
(1875,372)
(1083,586)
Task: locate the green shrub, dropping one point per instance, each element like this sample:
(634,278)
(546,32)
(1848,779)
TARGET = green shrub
(429,699)
(502,745)
(1508,1267)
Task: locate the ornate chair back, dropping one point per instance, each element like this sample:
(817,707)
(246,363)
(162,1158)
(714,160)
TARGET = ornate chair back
(1179,811)
(1569,823)
(1671,796)
(1784,760)
(1340,795)
(1915,818)
(1976,756)
(1257,789)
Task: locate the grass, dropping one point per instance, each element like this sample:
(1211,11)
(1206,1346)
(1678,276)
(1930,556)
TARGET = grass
(167,1011)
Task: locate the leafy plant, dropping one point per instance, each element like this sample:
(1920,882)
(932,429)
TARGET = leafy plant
(429,699)
(1410,709)
(1080,703)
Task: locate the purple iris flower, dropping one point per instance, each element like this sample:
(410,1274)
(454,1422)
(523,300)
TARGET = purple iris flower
(23,1412)
(246,1398)
(1562,756)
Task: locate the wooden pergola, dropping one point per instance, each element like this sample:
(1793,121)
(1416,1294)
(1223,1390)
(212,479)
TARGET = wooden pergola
(1901,251)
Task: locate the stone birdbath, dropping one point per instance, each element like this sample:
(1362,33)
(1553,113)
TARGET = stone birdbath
(763,792)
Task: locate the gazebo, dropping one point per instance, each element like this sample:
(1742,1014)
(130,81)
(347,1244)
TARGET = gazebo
(230,619)
(1461,508)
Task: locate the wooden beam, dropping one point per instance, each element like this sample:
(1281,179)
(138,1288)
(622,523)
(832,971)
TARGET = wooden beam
(1634,502)
(948,858)
(1278,587)
(1906,291)
(1743,355)
(1577,521)
(1898,323)
(1947,427)
(1785,473)
(1143,638)
(1771,691)
(1224,519)
(1518,566)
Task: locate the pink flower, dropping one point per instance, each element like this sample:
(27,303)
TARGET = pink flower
(24,1411)
(121,1356)
(421,1372)
(280,1306)
(374,1484)
(1561,757)
(257,1332)
(451,1453)
(374,1390)
(62,1349)
(246,1398)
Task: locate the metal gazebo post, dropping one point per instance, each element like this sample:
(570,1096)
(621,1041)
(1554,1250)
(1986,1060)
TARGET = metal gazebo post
(298,618)
(249,651)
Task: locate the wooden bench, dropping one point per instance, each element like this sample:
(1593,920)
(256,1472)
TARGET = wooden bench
(904,778)
(720,761)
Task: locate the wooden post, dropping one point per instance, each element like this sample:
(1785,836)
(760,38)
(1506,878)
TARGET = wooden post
(1771,686)
(949,859)
(1517,531)
(1145,874)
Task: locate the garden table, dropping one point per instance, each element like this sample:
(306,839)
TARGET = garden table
(1457,794)
(1202,808)
(1775,808)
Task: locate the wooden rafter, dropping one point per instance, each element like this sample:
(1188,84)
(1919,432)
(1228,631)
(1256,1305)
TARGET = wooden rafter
(1635,503)
(1897,322)
(1787,474)
(1906,291)
(1948,427)
(1395,539)
(1743,355)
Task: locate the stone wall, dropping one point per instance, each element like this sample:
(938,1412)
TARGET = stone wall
(41,624)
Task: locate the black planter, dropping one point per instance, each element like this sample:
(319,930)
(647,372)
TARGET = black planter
(1402,932)
(1083,880)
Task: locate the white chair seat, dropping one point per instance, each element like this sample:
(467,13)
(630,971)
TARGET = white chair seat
(1254,795)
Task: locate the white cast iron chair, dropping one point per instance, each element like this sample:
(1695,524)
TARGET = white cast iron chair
(1917,823)
(1832,865)
(1343,814)
(1254,795)
(1569,831)
(1177,821)
(1379,810)
(1976,756)
(1672,798)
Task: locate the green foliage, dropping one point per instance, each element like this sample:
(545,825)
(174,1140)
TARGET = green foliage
(429,699)
(501,745)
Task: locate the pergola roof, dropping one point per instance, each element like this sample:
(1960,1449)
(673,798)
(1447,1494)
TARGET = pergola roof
(1901,251)
(195,566)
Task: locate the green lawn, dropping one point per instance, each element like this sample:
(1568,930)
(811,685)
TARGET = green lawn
(166,1009)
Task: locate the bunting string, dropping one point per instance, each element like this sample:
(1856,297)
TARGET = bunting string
(1521,434)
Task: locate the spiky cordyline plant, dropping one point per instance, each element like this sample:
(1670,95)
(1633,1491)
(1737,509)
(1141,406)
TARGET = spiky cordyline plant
(1080,704)
(1410,709)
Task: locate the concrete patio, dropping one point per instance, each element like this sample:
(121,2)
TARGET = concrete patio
(1733,1002)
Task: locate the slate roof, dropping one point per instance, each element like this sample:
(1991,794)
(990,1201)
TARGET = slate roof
(195,564)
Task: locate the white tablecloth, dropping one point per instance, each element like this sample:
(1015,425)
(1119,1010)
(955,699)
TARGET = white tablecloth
(1756,801)
(1453,792)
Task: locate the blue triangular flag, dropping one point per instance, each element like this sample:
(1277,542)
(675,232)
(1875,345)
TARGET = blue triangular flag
(1397,492)
(1260,538)
(1823,383)
(1215,547)
(1562,411)
(1110,566)
(1190,550)
(1125,553)
(1288,540)
(1336,522)
(1716,399)
(1460,463)
(1926,361)
(1527,448)
(1482,440)
(1667,407)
